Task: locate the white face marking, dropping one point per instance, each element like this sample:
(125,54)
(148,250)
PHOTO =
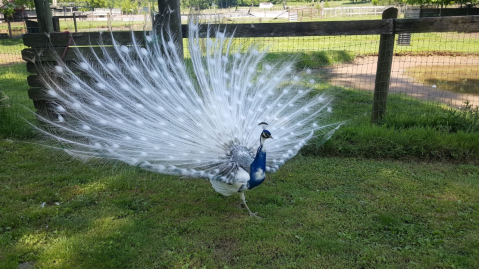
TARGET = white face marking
(263,149)
(262,143)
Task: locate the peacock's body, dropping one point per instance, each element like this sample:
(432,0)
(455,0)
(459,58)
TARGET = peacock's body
(145,107)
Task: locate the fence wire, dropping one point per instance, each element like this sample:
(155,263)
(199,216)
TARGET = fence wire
(438,69)
(13,74)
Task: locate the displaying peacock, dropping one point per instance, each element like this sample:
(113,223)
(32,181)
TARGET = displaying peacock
(143,105)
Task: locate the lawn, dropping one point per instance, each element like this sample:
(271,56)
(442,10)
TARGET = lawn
(15,104)
(401,194)
(317,213)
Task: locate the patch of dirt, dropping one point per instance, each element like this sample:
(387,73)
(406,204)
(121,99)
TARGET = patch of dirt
(361,74)
(7,59)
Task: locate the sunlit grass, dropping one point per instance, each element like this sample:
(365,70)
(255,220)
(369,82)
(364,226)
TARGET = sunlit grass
(15,105)
(363,209)
(324,212)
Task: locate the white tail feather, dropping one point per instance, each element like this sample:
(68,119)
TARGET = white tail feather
(143,107)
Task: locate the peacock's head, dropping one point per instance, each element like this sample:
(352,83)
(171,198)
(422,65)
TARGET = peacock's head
(265,134)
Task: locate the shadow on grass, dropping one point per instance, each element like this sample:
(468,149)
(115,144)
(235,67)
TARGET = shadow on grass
(332,213)
(91,217)
(313,59)
(11,42)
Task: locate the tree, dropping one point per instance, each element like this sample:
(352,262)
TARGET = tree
(128,6)
(111,4)
(439,3)
(8,8)
(25,3)
(96,3)
(227,3)
(248,2)
(196,4)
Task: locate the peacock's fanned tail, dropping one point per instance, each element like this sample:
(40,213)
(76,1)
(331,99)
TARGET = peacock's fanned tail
(143,106)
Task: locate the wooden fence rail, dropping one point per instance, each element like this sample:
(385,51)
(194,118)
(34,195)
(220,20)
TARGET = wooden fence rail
(467,24)
(59,41)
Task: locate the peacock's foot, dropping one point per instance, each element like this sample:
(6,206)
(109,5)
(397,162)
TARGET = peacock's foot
(251,214)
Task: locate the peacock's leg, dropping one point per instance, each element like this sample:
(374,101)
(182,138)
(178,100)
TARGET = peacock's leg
(251,214)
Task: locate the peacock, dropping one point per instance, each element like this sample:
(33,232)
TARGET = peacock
(212,117)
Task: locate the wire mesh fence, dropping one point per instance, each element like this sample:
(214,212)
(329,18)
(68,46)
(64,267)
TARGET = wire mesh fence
(436,67)
(434,70)
(12,72)
(13,89)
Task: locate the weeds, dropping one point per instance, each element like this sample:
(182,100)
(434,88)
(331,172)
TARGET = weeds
(443,119)
(466,119)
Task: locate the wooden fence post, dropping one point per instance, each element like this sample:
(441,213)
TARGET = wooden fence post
(9,27)
(56,24)
(108,18)
(169,11)
(144,22)
(75,22)
(383,71)
(44,16)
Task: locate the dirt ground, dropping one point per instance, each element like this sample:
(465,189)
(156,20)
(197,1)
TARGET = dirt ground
(361,74)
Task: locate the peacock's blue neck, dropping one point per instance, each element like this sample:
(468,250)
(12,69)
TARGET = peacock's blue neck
(258,168)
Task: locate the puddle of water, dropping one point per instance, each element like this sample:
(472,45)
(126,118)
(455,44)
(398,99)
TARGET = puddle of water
(455,78)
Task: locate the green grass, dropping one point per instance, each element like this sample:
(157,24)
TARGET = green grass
(95,25)
(81,25)
(411,129)
(11,45)
(313,59)
(16,105)
(402,194)
(425,44)
(317,212)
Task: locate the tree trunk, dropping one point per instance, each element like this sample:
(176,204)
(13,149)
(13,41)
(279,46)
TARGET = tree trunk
(44,16)
(170,14)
